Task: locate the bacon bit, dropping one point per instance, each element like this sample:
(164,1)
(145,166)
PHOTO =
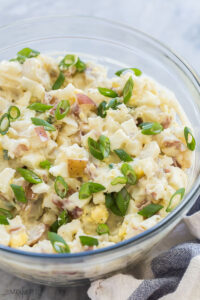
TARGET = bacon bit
(54,100)
(139,121)
(154,195)
(75,109)
(58,203)
(76,212)
(167,122)
(20,149)
(83,99)
(41,133)
(29,193)
(176,163)
(70,192)
(176,144)
(166,170)
(143,203)
(14,229)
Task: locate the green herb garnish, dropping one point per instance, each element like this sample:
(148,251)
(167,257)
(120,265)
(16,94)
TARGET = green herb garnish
(151,128)
(88,240)
(137,72)
(99,149)
(89,188)
(102,229)
(61,187)
(59,81)
(118,202)
(72,60)
(25,53)
(63,218)
(58,243)
(13,113)
(4,215)
(129,174)
(45,164)
(128,89)
(180,192)
(40,122)
(107,92)
(62,109)
(123,155)
(119,180)
(29,175)
(188,135)
(39,107)
(150,210)
(4,124)
(19,193)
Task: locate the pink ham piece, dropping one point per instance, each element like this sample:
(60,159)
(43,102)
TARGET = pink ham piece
(83,99)
(41,133)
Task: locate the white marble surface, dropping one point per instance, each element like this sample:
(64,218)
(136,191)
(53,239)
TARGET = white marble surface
(174,22)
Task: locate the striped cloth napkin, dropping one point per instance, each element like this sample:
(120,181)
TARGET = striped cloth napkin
(166,274)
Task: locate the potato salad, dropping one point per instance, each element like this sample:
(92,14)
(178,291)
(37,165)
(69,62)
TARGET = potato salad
(86,161)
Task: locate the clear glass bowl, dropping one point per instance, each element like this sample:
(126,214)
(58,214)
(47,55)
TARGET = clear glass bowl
(115,46)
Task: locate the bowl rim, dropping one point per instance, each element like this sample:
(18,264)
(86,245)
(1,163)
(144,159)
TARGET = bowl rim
(188,197)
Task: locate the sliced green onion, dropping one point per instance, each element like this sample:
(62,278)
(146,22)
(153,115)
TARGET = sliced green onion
(50,119)
(29,175)
(13,113)
(58,243)
(180,192)
(113,103)
(88,240)
(107,92)
(104,145)
(25,53)
(89,188)
(118,202)
(104,106)
(119,180)
(62,109)
(39,122)
(39,107)
(101,110)
(80,66)
(67,61)
(95,149)
(6,213)
(111,204)
(3,220)
(59,81)
(4,124)
(122,199)
(19,193)
(150,210)
(128,89)
(63,218)
(123,155)
(61,187)
(151,128)
(45,164)
(102,229)
(129,173)
(137,72)
(5,154)
(188,135)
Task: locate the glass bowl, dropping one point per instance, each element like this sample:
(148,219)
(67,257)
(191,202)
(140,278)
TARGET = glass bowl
(115,46)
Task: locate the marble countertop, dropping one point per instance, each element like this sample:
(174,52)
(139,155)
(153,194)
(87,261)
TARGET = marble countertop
(174,22)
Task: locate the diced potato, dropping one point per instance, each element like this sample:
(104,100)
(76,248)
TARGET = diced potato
(76,167)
